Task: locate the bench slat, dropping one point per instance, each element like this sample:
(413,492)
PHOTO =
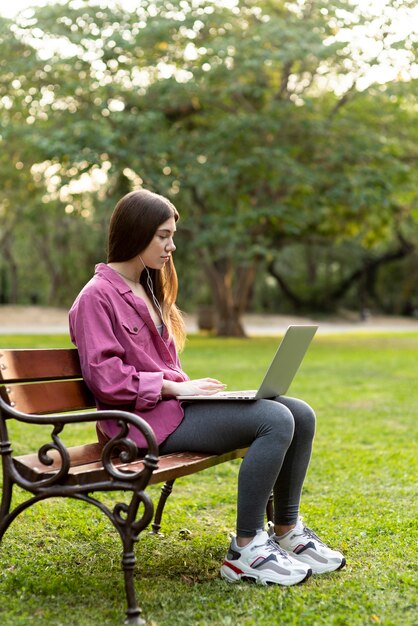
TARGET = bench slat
(50,397)
(186,463)
(79,455)
(50,381)
(38,364)
(87,467)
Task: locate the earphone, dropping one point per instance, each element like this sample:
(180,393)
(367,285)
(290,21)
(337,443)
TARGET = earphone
(149,285)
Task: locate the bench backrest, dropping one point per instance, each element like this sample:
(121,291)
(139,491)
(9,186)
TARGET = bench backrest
(43,381)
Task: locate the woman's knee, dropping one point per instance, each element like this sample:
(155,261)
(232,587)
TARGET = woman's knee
(279,420)
(303,413)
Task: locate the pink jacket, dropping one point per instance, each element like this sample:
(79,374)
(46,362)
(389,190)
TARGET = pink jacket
(123,357)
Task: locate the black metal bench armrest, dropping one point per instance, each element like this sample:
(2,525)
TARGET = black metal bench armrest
(119,446)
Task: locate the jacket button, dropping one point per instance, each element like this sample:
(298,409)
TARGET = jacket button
(135,329)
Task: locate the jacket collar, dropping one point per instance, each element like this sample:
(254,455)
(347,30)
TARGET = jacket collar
(104,271)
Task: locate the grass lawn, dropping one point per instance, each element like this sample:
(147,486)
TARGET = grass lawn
(60,560)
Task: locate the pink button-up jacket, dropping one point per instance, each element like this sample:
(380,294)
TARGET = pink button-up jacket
(123,357)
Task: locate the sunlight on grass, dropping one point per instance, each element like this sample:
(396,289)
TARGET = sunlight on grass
(59,563)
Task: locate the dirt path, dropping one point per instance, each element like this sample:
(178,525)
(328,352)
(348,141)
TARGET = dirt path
(39,320)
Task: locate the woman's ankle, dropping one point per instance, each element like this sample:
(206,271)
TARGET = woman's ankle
(243,541)
(282,529)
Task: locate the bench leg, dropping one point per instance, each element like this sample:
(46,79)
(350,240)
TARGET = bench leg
(6,499)
(129,530)
(166,489)
(133,612)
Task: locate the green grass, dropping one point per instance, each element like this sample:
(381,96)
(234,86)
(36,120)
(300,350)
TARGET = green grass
(60,560)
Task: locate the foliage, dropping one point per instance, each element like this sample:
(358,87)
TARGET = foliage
(315,277)
(60,563)
(258,119)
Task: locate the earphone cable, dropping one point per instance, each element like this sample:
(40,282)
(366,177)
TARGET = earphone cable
(151,290)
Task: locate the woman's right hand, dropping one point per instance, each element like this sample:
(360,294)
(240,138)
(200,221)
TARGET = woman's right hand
(197,387)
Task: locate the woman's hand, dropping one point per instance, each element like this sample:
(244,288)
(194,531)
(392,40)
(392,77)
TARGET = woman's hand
(198,387)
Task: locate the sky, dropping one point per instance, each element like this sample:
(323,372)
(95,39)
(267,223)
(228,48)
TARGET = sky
(9,8)
(387,71)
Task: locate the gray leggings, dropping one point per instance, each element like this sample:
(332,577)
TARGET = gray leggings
(279,434)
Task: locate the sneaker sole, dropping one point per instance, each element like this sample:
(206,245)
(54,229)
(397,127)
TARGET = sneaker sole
(232,576)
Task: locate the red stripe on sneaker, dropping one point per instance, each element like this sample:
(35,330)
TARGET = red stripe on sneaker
(235,569)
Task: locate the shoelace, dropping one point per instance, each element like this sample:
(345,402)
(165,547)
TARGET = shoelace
(311,535)
(272,546)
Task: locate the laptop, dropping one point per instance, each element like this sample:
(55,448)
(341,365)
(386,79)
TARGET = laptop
(281,372)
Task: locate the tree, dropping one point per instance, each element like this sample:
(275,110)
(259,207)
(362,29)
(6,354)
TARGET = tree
(243,114)
(379,164)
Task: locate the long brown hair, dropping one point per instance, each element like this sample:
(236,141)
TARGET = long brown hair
(133,224)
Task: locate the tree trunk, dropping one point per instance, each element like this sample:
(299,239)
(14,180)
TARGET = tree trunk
(52,269)
(229,325)
(231,288)
(11,264)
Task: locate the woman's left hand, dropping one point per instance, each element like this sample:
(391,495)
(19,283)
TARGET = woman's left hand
(197,387)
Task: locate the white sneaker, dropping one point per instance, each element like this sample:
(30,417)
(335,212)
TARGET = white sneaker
(304,546)
(262,561)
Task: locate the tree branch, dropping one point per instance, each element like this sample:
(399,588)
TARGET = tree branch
(287,70)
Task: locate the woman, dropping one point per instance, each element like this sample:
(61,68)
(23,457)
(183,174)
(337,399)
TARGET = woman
(128,331)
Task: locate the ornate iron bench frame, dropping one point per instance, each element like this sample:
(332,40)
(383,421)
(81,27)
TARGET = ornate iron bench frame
(36,386)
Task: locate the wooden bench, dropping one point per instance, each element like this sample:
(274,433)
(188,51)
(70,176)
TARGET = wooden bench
(45,387)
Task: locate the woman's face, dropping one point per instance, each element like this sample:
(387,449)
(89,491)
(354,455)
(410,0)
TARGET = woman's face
(159,251)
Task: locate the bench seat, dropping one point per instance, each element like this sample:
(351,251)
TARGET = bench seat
(86,465)
(45,387)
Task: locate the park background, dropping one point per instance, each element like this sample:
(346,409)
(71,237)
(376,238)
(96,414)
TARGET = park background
(286,134)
